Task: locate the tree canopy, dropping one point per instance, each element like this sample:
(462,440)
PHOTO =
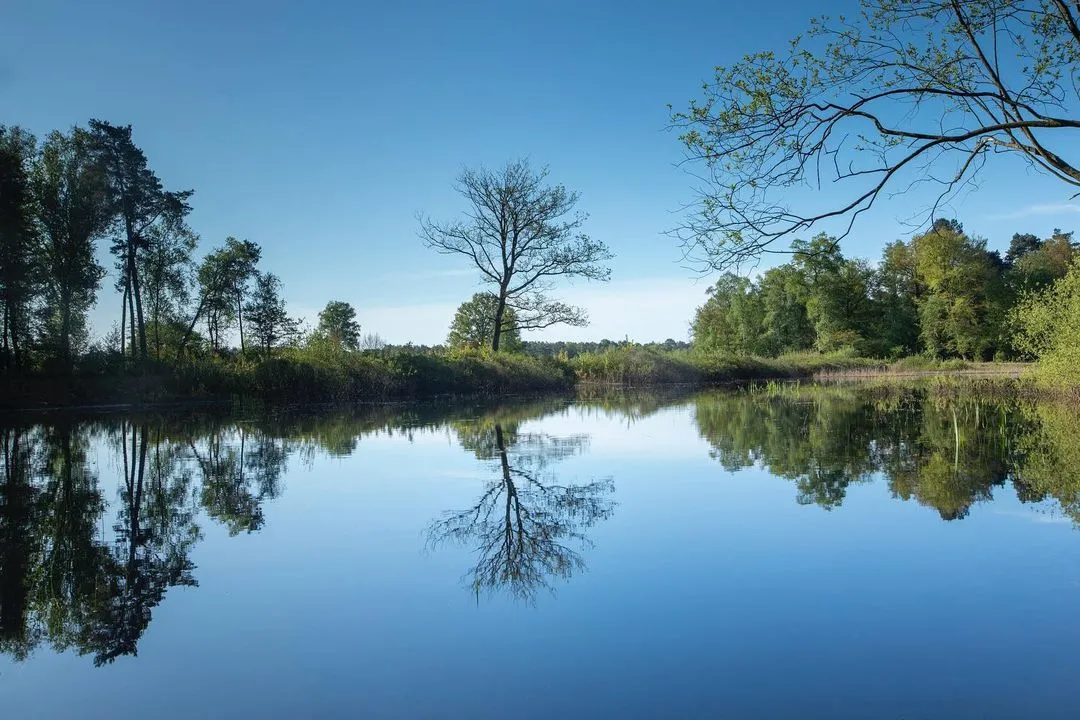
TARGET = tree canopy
(474,325)
(337,322)
(941,294)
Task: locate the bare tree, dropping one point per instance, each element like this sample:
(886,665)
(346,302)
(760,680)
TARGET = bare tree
(521,234)
(908,93)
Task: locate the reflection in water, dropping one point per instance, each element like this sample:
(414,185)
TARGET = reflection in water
(84,563)
(946,452)
(525,526)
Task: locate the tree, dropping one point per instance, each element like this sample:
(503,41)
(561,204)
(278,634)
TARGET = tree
(17,240)
(521,235)
(474,325)
(838,295)
(1020,245)
(166,270)
(223,276)
(786,327)
(896,295)
(731,319)
(956,311)
(337,321)
(909,92)
(1041,265)
(138,201)
(372,341)
(71,194)
(268,320)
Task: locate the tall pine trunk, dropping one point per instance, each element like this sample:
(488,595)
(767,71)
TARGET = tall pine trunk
(123,319)
(131,319)
(144,352)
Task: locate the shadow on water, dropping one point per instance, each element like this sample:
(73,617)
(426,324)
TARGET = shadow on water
(84,563)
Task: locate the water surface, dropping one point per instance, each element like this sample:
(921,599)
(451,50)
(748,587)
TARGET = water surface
(833,552)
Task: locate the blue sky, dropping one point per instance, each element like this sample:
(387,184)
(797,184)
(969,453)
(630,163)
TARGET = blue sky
(320,129)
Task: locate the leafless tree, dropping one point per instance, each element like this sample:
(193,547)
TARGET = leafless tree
(522,235)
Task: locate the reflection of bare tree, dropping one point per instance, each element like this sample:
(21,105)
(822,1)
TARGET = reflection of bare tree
(525,525)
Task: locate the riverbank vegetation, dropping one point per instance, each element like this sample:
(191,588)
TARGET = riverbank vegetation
(217,325)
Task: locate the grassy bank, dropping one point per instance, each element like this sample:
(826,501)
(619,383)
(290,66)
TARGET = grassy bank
(290,377)
(302,376)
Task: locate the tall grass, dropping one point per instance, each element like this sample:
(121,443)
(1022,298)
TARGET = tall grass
(323,373)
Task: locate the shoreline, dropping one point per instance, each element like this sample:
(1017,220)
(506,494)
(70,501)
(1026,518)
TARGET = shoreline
(170,389)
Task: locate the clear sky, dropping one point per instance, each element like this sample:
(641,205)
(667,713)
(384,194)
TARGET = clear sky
(320,129)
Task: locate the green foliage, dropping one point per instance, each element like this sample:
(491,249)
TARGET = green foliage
(474,325)
(942,294)
(18,261)
(269,322)
(1048,329)
(337,322)
(71,192)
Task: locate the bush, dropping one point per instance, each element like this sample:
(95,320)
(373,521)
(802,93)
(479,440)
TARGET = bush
(1047,328)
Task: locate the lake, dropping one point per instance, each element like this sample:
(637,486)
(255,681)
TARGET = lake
(814,552)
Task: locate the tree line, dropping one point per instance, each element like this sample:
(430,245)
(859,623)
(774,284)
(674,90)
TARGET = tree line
(62,197)
(942,293)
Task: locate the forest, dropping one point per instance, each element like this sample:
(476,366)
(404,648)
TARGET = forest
(941,294)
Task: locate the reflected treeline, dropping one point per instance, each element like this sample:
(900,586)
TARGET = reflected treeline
(527,526)
(84,561)
(946,452)
(99,517)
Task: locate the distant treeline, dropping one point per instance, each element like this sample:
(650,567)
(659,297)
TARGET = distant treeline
(941,294)
(560,348)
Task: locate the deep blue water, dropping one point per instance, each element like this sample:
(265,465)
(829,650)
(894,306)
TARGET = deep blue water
(820,554)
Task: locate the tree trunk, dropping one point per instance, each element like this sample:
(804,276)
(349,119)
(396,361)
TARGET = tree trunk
(65,328)
(11,330)
(500,311)
(123,317)
(144,353)
(240,319)
(7,358)
(155,318)
(131,319)
(190,328)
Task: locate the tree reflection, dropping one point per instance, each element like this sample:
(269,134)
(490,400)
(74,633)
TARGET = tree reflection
(155,532)
(526,528)
(73,561)
(18,503)
(238,478)
(83,568)
(947,452)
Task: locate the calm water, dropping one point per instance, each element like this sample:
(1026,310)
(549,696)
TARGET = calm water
(816,554)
